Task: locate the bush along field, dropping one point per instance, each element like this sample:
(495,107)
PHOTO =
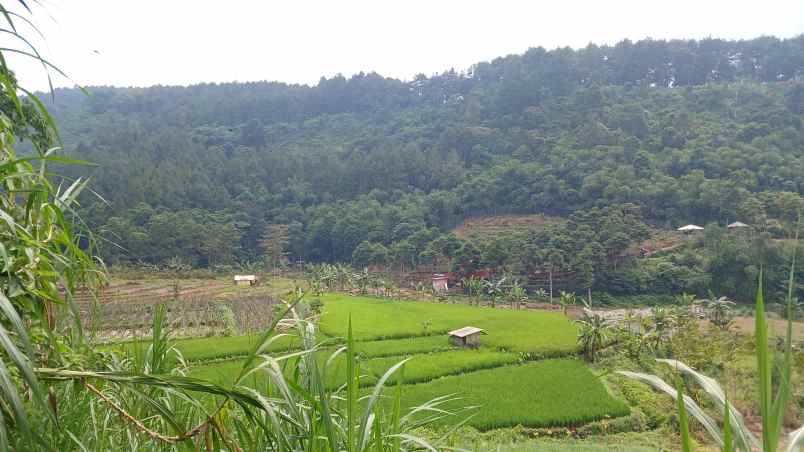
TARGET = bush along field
(525,371)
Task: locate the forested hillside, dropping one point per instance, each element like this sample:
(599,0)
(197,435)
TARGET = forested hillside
(372,169)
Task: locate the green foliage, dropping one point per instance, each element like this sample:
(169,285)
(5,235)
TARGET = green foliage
(594,333)
(395,165)
(772,407)
(229,323)
(719,311)
(657,410)
(45,254)
(567,299)
(419,368)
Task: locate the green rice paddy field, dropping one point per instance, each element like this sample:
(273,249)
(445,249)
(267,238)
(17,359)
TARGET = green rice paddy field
(524,373)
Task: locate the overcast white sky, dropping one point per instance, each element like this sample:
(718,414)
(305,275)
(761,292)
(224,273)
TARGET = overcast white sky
(176,42)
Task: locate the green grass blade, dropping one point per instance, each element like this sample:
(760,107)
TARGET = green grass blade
(378,437)
(12,397)
(784,391)
(683,422)
(397,410)
(263,341)
(728,441)
(27,373)
(374,398)
(351,389)
(745,439)
(691,407)
(4,447)
(764,369)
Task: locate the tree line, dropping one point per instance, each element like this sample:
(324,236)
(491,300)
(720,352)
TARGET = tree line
(372,168)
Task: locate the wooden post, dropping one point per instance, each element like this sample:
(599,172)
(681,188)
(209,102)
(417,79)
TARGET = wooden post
(551,285)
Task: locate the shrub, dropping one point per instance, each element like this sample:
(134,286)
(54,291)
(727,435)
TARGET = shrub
(228,320)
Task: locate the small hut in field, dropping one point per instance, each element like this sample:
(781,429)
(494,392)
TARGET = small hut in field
(440,282)
(245,280)
(467,336)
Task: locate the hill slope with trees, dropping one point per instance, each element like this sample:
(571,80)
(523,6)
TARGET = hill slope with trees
(376,170)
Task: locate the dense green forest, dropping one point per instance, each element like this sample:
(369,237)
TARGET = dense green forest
(618,140)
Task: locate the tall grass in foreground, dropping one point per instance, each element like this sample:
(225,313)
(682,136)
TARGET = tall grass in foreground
(735,435)
(144,402)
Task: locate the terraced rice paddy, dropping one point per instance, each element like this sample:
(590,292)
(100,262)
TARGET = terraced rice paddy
(552,392)
(549,333)
(501,377)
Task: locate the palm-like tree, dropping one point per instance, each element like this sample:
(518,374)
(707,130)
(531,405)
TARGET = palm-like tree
(468,285)
(567,299)
(495,290)
(517,295)
(685,299)
(719,311)
(329,276)
(388,286)
(594,332)
(477,288)
(343,275)
(684,308)
(662,322)
(362,280)
(540,294)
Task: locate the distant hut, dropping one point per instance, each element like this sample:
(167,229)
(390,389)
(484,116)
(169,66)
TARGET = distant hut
(467,336)
(737,225)
(440,282)
(690,228)
(245,280)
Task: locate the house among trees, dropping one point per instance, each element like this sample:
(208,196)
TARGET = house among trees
(737,225)
(689,228)
(440,282)
(467,336)
(245,280)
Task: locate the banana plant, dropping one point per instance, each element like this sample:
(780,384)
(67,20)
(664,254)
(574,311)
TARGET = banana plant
(567,299)
(517,295)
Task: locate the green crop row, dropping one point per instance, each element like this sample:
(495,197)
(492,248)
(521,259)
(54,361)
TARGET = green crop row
(539,332)
(216,347)
(545,393)
(404,346)
(420,368)
(423,367)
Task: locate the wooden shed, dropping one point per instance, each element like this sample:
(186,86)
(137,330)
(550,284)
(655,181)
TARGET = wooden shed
(440,282)
(467,336)
(245,280)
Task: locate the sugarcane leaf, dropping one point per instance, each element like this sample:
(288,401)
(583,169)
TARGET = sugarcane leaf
(683,423)
(692,408)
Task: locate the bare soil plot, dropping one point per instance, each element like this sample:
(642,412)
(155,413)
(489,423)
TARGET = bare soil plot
(776,327)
